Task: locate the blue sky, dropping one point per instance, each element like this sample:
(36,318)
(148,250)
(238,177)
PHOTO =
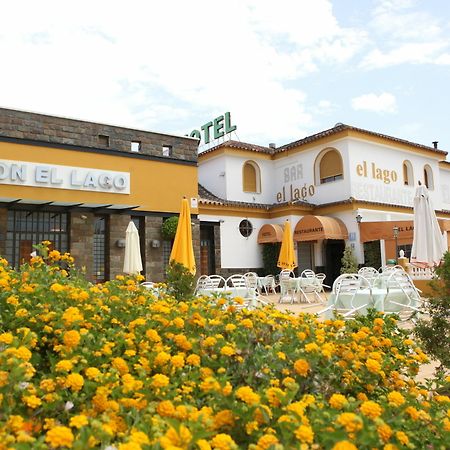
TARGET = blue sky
(284,69)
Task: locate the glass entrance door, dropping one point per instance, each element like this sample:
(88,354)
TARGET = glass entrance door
(305,256)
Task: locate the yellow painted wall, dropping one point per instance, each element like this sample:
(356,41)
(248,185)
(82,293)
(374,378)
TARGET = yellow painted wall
(155,186)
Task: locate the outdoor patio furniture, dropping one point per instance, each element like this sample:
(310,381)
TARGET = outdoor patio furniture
(251,279)
(351,294)
(369,273)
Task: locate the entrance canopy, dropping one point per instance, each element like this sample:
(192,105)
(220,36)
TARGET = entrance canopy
(314,228)
(269,233)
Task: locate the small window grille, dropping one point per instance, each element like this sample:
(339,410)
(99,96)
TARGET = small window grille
(245,228)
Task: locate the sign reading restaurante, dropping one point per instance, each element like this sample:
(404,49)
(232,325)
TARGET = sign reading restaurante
(63,177)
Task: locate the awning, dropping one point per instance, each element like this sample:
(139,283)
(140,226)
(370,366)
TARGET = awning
(270,232)
(314,228)
(375,231)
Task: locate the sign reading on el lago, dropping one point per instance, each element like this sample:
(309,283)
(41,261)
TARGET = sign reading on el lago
(220,125)
(63,177)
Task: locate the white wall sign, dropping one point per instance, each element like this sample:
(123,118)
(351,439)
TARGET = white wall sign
(21,173)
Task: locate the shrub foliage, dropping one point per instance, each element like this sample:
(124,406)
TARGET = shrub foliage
(120,367)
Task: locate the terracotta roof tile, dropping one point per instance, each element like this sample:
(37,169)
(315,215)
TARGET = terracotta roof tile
(342,127)
(240,146)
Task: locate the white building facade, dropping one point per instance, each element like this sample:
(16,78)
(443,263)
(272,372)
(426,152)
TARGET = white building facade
(343,186)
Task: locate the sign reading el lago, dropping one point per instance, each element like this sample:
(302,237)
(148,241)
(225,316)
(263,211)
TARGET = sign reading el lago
(63,177)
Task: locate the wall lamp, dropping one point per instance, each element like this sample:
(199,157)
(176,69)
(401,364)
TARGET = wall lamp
(358,218)
(120,243)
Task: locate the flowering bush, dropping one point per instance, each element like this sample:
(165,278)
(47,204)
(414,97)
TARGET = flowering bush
(112,367)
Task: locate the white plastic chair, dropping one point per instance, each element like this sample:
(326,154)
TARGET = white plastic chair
(203,282)
(217,282)
(251,278)
(344,292)
(308,273)
(288,288)
(400,284)
(369,273)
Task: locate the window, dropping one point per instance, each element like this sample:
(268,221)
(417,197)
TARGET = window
(329,167)
(100,249)
(406,248)
(103,140)
(27,228)
(251,177)
(245,228)
(408,177)
(167,150)
(428,177)
(135,146)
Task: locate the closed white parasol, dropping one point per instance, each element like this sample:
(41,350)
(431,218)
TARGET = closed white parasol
(428,245)
(132,263)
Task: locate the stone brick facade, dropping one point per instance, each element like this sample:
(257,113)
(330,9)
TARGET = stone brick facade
(58,130)
(82,240)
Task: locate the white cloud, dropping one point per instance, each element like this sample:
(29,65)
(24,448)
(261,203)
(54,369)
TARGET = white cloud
(404,34)
(383,103)
(163,65)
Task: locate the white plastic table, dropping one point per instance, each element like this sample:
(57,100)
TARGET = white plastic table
(373,299)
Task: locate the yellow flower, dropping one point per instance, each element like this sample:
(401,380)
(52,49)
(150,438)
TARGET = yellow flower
(71,338)
(224,418)
(344,445)
(139,437)
(120,365)
(177,361)
(193,360)
(351,422)
(32,401)
(402,437)
(395,398)
(64,366)
(129,446)
(173,438)
(223,441)
(227,350)
(162,358)
(304,433)
(159,380)
(371,409)
(203,444)
(23,353)
(301,366)
(165,408)
(266,441)
(230,327)
(373,365)
(274,396)
(75,381)
(385,432)
(6,338)
(92,373)
(246,394)
(56,287)
(59,436)
(247,323)
(78,421)
(337,401)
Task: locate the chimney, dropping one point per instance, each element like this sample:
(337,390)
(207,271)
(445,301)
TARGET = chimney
(435,144)
(272,145)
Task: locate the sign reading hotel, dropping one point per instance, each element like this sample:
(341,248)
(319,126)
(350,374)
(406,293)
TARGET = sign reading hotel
(220,127)
(21,173)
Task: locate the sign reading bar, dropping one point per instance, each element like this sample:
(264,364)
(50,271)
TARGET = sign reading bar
(220,126)
(21,173)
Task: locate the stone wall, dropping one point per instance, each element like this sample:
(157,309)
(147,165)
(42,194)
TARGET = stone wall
(118,224)
(82,241)
(44,128)
(154,267)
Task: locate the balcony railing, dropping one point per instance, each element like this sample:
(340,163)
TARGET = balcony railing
(418,273)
